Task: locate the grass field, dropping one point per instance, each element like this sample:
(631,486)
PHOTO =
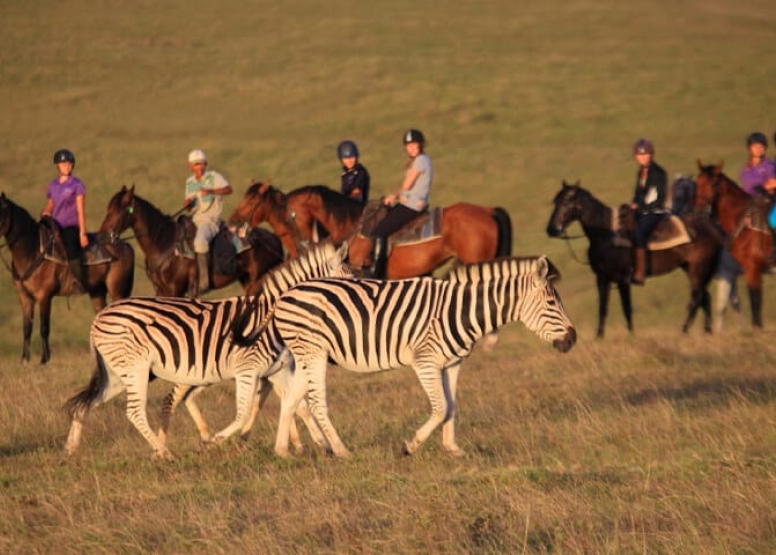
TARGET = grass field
(653,442)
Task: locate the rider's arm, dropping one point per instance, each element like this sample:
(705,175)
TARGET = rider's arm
(48,210)
(79,206)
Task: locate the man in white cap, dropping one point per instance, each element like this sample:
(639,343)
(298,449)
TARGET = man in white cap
(204,191)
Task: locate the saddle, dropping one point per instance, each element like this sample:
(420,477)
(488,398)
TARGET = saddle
(224,247)
(52,247)
(669,233)
(427,226)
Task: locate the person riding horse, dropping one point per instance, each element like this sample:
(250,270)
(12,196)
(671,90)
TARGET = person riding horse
(648,202)
(412,199)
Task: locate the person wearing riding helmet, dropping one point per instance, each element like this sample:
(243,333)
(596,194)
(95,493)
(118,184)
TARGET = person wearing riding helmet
(408,202)
(65,201)
(758,176)
(204,191)
(649,200)
(355,177)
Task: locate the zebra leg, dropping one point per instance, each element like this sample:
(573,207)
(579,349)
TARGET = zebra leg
(171,401)
(137,401)
(279,383)
(431,379)
(258,403)
(246,384)
(450,384)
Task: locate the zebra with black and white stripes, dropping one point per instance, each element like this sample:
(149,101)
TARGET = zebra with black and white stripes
(189,342)
(429,324)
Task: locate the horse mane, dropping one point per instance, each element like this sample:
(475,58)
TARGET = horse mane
(341,207)
(24,224)
(602,213)
(713,172)
(158,222)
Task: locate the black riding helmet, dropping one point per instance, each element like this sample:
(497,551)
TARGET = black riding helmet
(64,155)
(758,138)
(347,149)
(414,136)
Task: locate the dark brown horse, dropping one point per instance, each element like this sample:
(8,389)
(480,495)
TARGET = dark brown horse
(613,264)
(745,222)
(469,233)
(157,235)
(38,279)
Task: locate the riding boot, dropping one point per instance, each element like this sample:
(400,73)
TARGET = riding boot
(640,271)
(379,255)
(76,277)
(203,282)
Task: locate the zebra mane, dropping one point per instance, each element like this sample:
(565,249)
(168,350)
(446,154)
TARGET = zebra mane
(319,260)
(501,268)
(254,313)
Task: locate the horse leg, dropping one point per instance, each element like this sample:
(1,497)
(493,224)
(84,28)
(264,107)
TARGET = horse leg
(696,300)
(603,303)
(28,315)
(625,300)
(756,302)
(45,327)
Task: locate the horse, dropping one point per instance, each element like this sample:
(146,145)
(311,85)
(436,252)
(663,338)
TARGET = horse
(169,272)
(38,278)
(612,263)
(468,233)
(745,223)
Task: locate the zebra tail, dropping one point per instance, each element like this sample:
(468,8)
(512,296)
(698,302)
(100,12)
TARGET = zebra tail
(83,400)
(504,225)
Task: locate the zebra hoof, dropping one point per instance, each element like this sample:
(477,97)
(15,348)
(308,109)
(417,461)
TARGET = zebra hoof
(163,456)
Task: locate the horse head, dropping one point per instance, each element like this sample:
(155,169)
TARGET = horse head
(5,214)
(707,186)
(567,209)
(259,203)
(120,214)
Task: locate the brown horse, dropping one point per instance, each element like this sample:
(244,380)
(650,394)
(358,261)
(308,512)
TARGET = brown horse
(469,233)
(38,279)
(157,235)
(612,263)
(745,222)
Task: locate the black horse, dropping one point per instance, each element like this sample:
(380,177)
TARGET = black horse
(38,278)
(612,263)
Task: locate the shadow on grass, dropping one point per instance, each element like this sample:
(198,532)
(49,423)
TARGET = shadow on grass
(710,392)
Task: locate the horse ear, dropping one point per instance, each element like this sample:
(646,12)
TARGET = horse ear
(132,189)
(123,189)
(721,165)
(565,185)
(578,183)
(264,187)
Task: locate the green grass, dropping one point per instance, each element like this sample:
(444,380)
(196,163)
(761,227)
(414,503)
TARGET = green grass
(645,443)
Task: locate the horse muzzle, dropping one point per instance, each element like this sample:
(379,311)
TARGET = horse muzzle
(556,231)
(565,343)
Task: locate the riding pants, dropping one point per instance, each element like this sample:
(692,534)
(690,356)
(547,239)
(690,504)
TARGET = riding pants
(644,225)
(207,229)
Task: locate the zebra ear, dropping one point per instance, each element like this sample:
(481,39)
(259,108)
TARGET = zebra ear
(342,251)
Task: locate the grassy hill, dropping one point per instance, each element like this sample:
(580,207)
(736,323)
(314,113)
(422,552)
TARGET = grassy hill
(654,442)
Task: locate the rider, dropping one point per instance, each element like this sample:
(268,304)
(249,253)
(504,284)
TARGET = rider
(758,178)
(355,177)
(649,201)
(65,205)
(204,192)
(412,197)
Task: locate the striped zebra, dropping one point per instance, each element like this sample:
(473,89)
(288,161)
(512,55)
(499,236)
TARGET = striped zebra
(189,342)
(429,324)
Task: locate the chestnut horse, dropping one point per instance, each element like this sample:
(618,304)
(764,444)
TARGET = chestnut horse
(38,279)
(612,263)
(469,233)
(745,222)
(156,233)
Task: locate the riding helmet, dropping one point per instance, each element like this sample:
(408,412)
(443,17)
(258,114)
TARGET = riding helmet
(347,149)
(414,136)
(758,138)
(196,156)
(64,155)
(643,146)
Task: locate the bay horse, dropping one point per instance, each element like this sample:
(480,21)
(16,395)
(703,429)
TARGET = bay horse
(38,279)
(469,233)
(170,273)
(744,220)
(612,263)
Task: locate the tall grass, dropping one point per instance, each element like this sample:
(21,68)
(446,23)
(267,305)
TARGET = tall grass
(645,443)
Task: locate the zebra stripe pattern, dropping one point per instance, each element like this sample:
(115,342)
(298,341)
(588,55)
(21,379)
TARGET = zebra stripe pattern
(189,342)
(426,323)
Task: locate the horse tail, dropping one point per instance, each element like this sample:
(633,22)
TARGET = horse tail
(504,225)
(84,399)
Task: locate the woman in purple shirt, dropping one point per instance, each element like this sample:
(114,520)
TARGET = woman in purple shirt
(65,205)
(758,176)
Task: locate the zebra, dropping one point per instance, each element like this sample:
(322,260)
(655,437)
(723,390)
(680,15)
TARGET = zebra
(188,342)
(430,324)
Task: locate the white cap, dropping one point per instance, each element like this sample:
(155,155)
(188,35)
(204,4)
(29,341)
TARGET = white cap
(197,156)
